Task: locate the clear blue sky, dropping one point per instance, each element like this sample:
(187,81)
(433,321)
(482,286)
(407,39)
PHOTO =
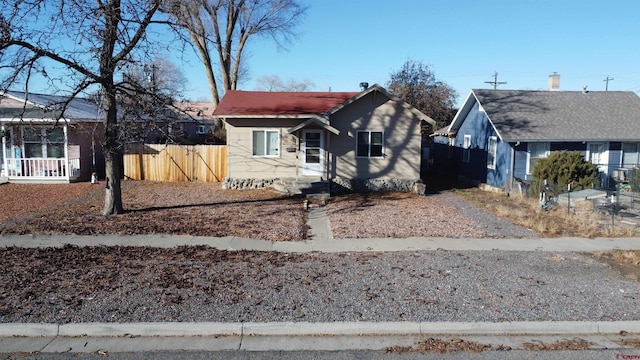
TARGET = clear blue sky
(345,42)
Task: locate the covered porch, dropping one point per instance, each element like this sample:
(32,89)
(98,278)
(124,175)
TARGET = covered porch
(38,153)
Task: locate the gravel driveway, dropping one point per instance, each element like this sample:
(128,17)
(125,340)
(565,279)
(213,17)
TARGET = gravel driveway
(402,215)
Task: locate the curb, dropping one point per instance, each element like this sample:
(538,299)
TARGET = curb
(175,329)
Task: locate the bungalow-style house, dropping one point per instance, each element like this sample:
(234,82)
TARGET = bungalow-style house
(354,140)
(498,135)
(39,145)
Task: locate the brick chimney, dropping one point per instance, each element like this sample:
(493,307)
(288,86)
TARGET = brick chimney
(554,82)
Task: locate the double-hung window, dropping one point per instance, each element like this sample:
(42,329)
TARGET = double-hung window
(491,152)
(369,144)
(630,155)
(537,151)
(266,143)
(43,142)
(466,146)
(54,141)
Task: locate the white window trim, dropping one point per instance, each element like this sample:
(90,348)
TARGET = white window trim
(495,152)
(265,131)
(44,142)
(466,145)
(622,163)
(546,153)
(604,154)
(369,151)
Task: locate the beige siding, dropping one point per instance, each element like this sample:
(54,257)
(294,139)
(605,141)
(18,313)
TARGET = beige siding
(402,140)
(243,165)
(374,112)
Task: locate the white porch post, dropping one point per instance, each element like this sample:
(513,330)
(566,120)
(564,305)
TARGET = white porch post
(66,153)
(3,147)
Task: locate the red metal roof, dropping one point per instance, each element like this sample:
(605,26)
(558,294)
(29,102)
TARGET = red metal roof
(237,102)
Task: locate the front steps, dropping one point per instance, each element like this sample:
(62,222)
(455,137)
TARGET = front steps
(312,187)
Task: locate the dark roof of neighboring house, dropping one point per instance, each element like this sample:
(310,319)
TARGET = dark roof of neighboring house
(197,110)
(42,106)
(562,115)
(265,103)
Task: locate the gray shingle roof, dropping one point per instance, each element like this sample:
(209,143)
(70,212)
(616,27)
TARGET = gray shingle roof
(78,108)
(562,115)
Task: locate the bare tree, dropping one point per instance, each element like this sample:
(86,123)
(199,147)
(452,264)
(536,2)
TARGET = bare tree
(417,85)
(220,31)
(88,43)
(274,83)
(148,92)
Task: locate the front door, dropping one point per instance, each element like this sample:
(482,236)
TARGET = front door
(312,152)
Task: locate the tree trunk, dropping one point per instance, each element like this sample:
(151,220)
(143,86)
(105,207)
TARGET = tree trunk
(113,157)
(113,195)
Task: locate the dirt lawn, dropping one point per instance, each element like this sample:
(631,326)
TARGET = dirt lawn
(204,209)
(199,209)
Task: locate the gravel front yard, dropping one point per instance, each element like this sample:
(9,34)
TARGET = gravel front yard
(204,209)
(140,284)
(124,284)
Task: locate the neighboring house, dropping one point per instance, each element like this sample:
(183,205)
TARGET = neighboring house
(39,145)
(186,123)
(498,135)
(369,139)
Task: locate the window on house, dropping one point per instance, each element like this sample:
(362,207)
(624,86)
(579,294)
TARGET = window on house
(630,155)
(54,142)
(43,142)
(537,151)
(266,143)
(369,144)
(32,140)
(466,145)
(596,152)
(491,152)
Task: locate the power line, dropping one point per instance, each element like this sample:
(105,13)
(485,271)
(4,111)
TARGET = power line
(495,81)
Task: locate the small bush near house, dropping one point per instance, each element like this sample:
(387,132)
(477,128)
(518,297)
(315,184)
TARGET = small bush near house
(562,168)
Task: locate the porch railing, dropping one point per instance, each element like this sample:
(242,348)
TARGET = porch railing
(42,168)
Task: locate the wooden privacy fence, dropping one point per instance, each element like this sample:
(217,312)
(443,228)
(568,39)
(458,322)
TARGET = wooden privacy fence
(159,162)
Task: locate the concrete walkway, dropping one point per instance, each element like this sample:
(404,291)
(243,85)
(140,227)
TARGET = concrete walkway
(109,337)
(118,337)
(327,244)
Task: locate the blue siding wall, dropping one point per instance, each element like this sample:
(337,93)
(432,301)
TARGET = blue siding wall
(499,177)
(480,129)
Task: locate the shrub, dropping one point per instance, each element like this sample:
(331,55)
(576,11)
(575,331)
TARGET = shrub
(562,168)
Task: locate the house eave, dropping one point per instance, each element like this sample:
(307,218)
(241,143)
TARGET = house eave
(321,122)
(585,140)
(274,116)
(41,120)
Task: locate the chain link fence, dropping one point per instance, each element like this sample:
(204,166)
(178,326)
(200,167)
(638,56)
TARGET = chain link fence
(617,205)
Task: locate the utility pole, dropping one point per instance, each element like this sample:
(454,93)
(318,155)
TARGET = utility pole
(495,81)
(606,82)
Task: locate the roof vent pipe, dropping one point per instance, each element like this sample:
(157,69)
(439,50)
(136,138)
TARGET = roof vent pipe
(364,86)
